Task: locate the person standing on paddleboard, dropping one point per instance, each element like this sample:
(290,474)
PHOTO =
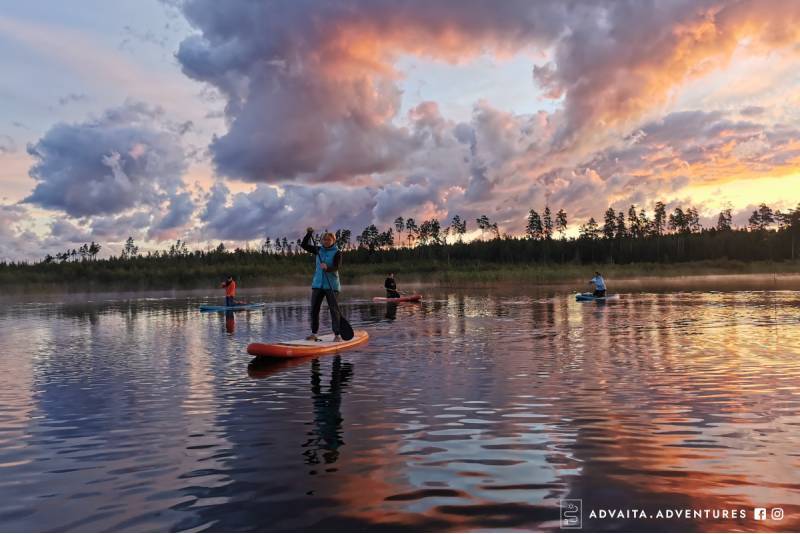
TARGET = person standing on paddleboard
(325,283)
(599,285)
(230,291)
(391,287)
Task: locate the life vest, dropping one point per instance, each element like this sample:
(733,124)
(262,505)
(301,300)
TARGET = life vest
(230,289)
(326,255)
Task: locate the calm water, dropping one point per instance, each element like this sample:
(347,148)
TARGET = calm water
(468,411)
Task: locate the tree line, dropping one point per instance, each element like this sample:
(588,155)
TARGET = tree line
(406,232)
(429,246)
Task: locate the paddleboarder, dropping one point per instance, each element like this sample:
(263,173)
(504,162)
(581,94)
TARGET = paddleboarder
(599,285)
(230,291)
(325,284)
(391,287)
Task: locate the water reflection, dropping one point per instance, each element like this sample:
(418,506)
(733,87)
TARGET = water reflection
(326,436)
(469,411)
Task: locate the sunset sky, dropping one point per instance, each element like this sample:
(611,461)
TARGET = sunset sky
(232,121)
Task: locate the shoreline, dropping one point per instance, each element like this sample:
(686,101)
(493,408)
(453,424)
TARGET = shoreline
(621,278)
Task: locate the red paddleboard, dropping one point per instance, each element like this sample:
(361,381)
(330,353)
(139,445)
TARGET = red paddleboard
(408,298)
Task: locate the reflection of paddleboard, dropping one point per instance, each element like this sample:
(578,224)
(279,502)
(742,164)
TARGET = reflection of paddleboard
(587,297)
(408,298)
(266,367)
(301,347)
(209,307)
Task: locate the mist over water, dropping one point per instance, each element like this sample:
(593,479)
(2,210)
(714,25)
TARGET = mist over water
(472,410)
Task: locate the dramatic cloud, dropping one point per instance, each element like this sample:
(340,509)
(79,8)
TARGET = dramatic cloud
(708,146)
(126,158)
(312,88)
(322,129)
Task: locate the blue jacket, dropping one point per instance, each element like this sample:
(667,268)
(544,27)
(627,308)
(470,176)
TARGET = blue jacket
(331,257)
(327,255)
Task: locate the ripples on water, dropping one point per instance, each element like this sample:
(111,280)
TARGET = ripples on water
(463,412)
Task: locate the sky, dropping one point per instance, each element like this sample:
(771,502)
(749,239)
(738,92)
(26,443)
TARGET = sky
(234,121)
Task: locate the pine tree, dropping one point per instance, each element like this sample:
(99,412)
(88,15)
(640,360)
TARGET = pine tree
(561,223)
(633,222)
(399,225)
(609,223)
(659,218)
(621,231)
(724,221)
(547,223)
(534,228)
(590,230)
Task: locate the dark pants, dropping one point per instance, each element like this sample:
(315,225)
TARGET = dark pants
(230,301)
(392,294)
(316,303)
(599,292)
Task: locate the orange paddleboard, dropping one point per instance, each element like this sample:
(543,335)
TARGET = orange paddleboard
(301,347)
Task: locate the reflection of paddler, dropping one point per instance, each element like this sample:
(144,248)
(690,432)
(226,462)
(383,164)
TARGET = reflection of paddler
(230,322)
(326,435)
(391,311)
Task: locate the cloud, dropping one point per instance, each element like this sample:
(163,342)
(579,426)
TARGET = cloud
(753,110)
(312,100)
(65,232)
(17,242)
(311,88)
(72,97)
(7,145)
(179,213)
(270,211)
(489,166)
(316,101)
(117,228)
(312,97)
(144,37)
(126,158)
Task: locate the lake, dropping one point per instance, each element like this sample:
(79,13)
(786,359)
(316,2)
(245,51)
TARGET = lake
(473,410)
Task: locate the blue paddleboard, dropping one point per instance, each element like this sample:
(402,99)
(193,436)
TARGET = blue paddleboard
(209,307)
(588,297)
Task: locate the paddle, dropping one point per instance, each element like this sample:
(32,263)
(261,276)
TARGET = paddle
(396,291)
(345,330)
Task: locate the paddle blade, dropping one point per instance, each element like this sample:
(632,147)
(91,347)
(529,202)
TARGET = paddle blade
(345,330)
